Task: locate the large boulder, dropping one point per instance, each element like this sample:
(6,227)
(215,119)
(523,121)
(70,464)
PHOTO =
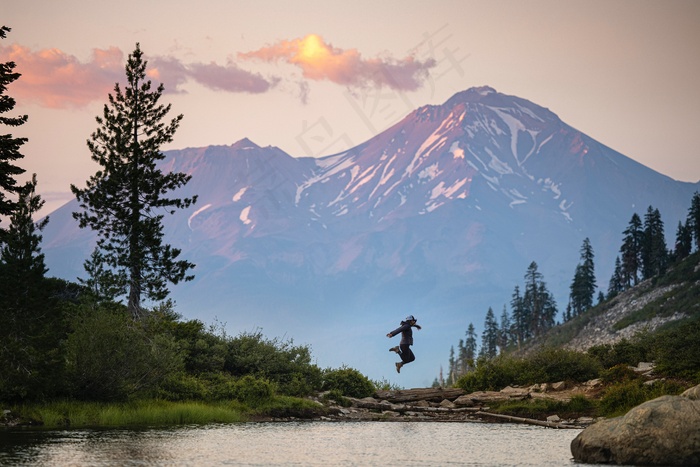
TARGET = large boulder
(663,431)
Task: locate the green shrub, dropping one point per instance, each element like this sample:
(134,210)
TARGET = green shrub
(182,387)
(619,398)
(253,391)
(547,365)
(492,375)
(348,382)
(627,352)
(281,362)
(550,365)
(111,357)
(619,373)
(678,351)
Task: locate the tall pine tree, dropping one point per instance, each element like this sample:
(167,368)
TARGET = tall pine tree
(631,251)
(538,303)
(617,283)
(653,253)
(28,340)
(694,218)
(583,285)
(489,338)
(9,146)
(125,200)
(684,241)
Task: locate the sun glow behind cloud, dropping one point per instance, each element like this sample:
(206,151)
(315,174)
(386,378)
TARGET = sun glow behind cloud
(319,60)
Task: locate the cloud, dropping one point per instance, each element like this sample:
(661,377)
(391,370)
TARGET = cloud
(319,60)
(229,78)
(54,79)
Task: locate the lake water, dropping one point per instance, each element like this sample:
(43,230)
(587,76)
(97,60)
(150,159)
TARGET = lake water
(294,443)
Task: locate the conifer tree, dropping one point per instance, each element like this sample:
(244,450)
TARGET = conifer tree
(684,241)
(470,345)
(23,313)
(520,318)
(631,251)
(538,303)
(504,330)
(616,284)
(694,218)
(126,200)
(584,283)
(489,338)
(653,252)
(9,146)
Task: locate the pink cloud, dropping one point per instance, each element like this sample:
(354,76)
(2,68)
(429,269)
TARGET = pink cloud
(319,60)
(54,79)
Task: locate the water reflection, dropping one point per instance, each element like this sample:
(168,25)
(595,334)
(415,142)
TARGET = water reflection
(302,444)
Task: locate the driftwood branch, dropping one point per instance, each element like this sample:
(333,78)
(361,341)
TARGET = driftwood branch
(528,421)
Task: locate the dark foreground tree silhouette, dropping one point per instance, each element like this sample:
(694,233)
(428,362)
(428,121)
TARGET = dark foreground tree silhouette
(9,146)
(125,201)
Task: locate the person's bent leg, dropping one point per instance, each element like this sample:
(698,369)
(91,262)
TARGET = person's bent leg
(406,354)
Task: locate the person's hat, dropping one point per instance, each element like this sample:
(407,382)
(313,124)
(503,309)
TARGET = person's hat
(410,318)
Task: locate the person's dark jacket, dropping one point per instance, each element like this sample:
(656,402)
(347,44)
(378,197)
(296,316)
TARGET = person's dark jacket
(406,333)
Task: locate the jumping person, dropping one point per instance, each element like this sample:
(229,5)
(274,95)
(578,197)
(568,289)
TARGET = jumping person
(404,347)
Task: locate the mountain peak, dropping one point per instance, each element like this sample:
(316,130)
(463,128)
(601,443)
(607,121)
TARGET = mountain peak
(245,143)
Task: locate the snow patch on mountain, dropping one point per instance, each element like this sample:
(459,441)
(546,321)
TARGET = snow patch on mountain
(194,214)
(244,217)
(456,151)
(237,197)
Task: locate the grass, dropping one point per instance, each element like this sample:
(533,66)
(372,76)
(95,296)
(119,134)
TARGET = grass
(141,413)
(158,412)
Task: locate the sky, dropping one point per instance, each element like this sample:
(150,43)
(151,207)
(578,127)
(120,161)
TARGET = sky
(317,77)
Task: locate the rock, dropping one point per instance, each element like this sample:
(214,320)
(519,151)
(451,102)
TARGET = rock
(484,397)
(663,431)
(593,383)
(516,393)
(643,367)
(447,404)
(560,386)
(692,393)
(464,401)
(554,419)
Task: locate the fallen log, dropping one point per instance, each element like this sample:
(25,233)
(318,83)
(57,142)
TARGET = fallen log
(420,394)
(529,421)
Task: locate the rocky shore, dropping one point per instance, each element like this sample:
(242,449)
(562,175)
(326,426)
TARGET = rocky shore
(455,405)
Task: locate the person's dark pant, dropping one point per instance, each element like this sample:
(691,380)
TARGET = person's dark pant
(406,353)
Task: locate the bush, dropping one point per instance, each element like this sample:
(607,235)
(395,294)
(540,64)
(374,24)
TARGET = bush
(550,365)
(111,357)
(283,363)
(253,392)
(492,374)
(348,381)
(619,398)
(678,351)
(623,352)
(619,373)
(547,365)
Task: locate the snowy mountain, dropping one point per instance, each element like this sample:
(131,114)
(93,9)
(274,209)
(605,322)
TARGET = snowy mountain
(438,216)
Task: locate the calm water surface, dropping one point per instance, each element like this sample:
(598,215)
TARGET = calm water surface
(302,444)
